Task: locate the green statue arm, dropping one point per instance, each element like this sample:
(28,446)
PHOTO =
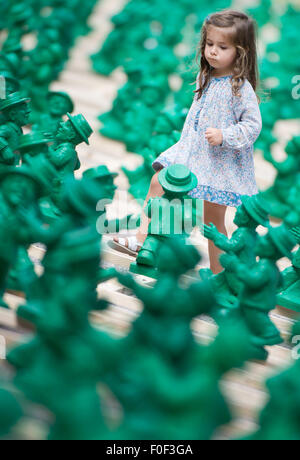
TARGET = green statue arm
(60,156)
(234,244)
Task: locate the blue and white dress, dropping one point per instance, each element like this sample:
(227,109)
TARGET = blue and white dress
(224,172)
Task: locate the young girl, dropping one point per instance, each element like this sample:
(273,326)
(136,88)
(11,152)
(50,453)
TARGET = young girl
(222,125)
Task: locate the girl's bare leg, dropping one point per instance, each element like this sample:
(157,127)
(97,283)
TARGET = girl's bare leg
(215,214)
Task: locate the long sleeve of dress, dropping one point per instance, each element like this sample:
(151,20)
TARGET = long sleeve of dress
(244,133)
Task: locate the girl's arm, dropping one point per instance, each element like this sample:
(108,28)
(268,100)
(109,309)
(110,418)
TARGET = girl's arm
(246,131)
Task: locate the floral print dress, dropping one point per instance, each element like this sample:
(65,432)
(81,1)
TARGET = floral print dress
(224,172)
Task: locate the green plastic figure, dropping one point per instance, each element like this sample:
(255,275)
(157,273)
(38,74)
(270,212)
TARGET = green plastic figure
(292,217)
(33,145)
(277,195)
(262,13)
(62,365)
(172,214)
(289,295)
(20,189)
(279,420)
(242,243)
(16,111)
(169,389)
(9,82)
(22,273)
(166,133)
(8,85)
(140,118)
(105,180)
(114,121)
(63,155)
(79,210)
(11,59)
(102,176)
(131,29)
(10,412)
(260,284)
(34,151)
(46,61)
(59,104)
(19,21)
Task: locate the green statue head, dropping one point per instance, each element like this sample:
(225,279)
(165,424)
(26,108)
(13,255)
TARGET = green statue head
(19,186)
(16,109)
(277,243)
(177,180)
(253,210)
(104,178)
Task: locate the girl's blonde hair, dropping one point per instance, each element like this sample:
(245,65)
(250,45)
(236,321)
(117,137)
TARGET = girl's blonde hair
(243,37)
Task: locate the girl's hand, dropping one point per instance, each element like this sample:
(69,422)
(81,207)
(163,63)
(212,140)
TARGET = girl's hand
(214,136)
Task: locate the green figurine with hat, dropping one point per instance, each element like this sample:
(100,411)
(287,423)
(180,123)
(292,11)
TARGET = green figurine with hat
(114,119)
(63,155)
(107,188)
(10,410)
(13,100)
(59,104)
(9,82)
(34,150)
(21,187)
(11,58)
(139,119)
(66,104)
(80,198)
(104,178)
(81,127)
(16,111)
(172,214)
(34,144)
(289,293)
(261,281)
(166,132)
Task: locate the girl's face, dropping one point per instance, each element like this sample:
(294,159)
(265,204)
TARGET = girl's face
(220,52)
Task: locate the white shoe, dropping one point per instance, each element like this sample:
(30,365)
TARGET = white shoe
(128,245)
